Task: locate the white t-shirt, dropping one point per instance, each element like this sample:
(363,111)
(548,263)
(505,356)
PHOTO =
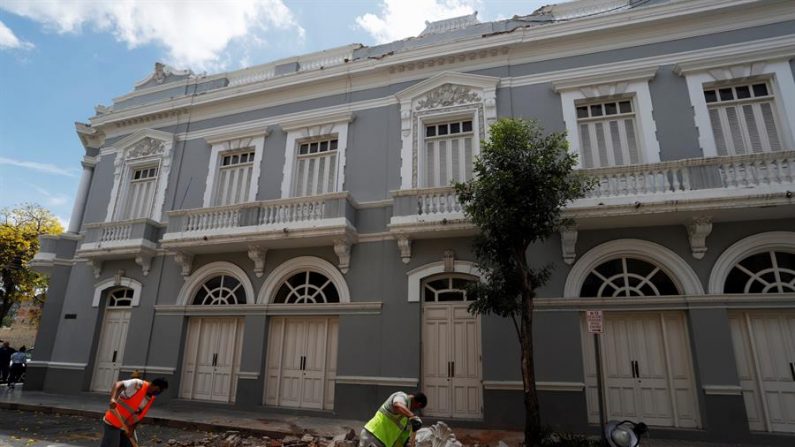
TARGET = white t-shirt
(130,387)
(399,397)
(19,357)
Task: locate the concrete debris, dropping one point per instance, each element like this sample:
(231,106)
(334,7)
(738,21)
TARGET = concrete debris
(236,439)
(437,435)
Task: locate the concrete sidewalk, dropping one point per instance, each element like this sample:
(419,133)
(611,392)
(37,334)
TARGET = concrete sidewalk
(268,422)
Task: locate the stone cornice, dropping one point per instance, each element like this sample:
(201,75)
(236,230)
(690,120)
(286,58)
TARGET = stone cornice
(530,35)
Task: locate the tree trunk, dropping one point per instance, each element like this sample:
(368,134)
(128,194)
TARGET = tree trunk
(4,308)
(532,423)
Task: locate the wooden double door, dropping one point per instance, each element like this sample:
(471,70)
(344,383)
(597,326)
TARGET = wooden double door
(764,348)
(451,361)
(302,362)
(110,349)
(647,370)
(212,359)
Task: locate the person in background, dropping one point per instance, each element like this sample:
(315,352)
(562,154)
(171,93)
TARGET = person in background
(394,421)
(5,360)
(129,402)
(18,361)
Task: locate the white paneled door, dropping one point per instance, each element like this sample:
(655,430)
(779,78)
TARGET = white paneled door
(302,362)
(110,352)
(764,347)
(212,359)
(646,368)
(452,361)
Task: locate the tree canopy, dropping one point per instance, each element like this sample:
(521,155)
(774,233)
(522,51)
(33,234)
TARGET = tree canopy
(522,181)
(20,228)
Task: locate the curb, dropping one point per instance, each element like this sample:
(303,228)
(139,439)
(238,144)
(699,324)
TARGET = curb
(154,420)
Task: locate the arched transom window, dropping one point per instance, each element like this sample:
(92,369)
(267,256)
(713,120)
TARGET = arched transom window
(121,297)
(766,272)
(307,287)
(627,277)
(446,288)
(220,290)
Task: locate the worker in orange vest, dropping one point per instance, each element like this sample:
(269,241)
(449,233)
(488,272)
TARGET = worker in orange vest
(129,402)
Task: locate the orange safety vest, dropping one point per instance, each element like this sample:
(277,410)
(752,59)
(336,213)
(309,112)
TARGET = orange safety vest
(127,409)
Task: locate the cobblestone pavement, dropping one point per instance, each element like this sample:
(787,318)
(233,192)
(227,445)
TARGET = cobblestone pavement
(28,429)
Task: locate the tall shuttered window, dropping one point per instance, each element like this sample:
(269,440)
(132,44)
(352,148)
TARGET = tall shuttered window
(743,118)
(233,183)
(316,167)
(448,153)
(608,134)
(140,193)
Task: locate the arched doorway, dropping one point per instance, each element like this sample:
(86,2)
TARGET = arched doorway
(302,345)
(213,344)
(112,338)
(763,340)
(645,355)
(451,348)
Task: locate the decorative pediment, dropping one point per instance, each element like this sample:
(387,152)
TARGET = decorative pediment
(446,96)
(144,143)
(162,74)
(450,86)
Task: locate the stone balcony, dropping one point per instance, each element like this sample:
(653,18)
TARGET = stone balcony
(256,227)
(130,239)
(699,190)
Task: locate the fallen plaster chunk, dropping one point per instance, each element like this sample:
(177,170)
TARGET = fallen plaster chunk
(437,435)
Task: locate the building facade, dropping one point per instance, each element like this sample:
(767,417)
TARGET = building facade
(285,237)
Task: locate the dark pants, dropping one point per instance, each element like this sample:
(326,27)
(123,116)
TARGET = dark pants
(113,437)
(4,370)
(16,371)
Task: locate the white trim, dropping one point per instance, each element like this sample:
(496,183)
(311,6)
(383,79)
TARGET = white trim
(301,263)
(416,275)
(745,247)
(723,390)
(356,308)
(248,375)
(745,65)
(409,382)
(657,303)
(634,82)
(518,385)
(123,170)
(203,273)
(306,128)
(483,112)
(140,244)
(315,119)
(218,146)
(123,282)
(57,365)
(149,369)
(679,270)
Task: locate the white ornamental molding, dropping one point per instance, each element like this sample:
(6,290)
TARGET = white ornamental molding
(342,248)
(697,231)
(449,261)
(568,242)
(145,262)
(185,260)
(447,95)
(404,245)
(96,265)
(257,255)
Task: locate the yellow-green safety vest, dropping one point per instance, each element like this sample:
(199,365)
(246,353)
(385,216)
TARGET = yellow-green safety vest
(391,430)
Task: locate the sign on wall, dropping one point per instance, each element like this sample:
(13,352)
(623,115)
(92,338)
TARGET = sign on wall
(595,319)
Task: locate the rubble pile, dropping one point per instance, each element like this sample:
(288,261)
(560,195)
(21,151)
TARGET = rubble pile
(237,439)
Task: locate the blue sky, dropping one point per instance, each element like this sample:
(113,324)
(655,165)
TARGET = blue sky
(60,58)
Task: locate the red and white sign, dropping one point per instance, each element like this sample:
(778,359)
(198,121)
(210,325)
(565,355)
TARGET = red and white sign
(596,321)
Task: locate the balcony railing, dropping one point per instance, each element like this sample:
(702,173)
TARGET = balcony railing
(135,235)
(674,180)
(299,212)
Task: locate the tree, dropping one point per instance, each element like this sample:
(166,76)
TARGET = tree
(522,181)
(20,228)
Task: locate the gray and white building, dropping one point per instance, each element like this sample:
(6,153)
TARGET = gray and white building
(285,237)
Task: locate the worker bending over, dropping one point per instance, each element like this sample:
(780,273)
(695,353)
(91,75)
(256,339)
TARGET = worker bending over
(394,421)
(129,402)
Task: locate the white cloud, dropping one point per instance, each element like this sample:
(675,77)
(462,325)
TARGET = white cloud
(195,34)
(50,198)
(399,19)
(36,166)
(9,40)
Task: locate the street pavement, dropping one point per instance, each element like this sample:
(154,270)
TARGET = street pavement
(35,429)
